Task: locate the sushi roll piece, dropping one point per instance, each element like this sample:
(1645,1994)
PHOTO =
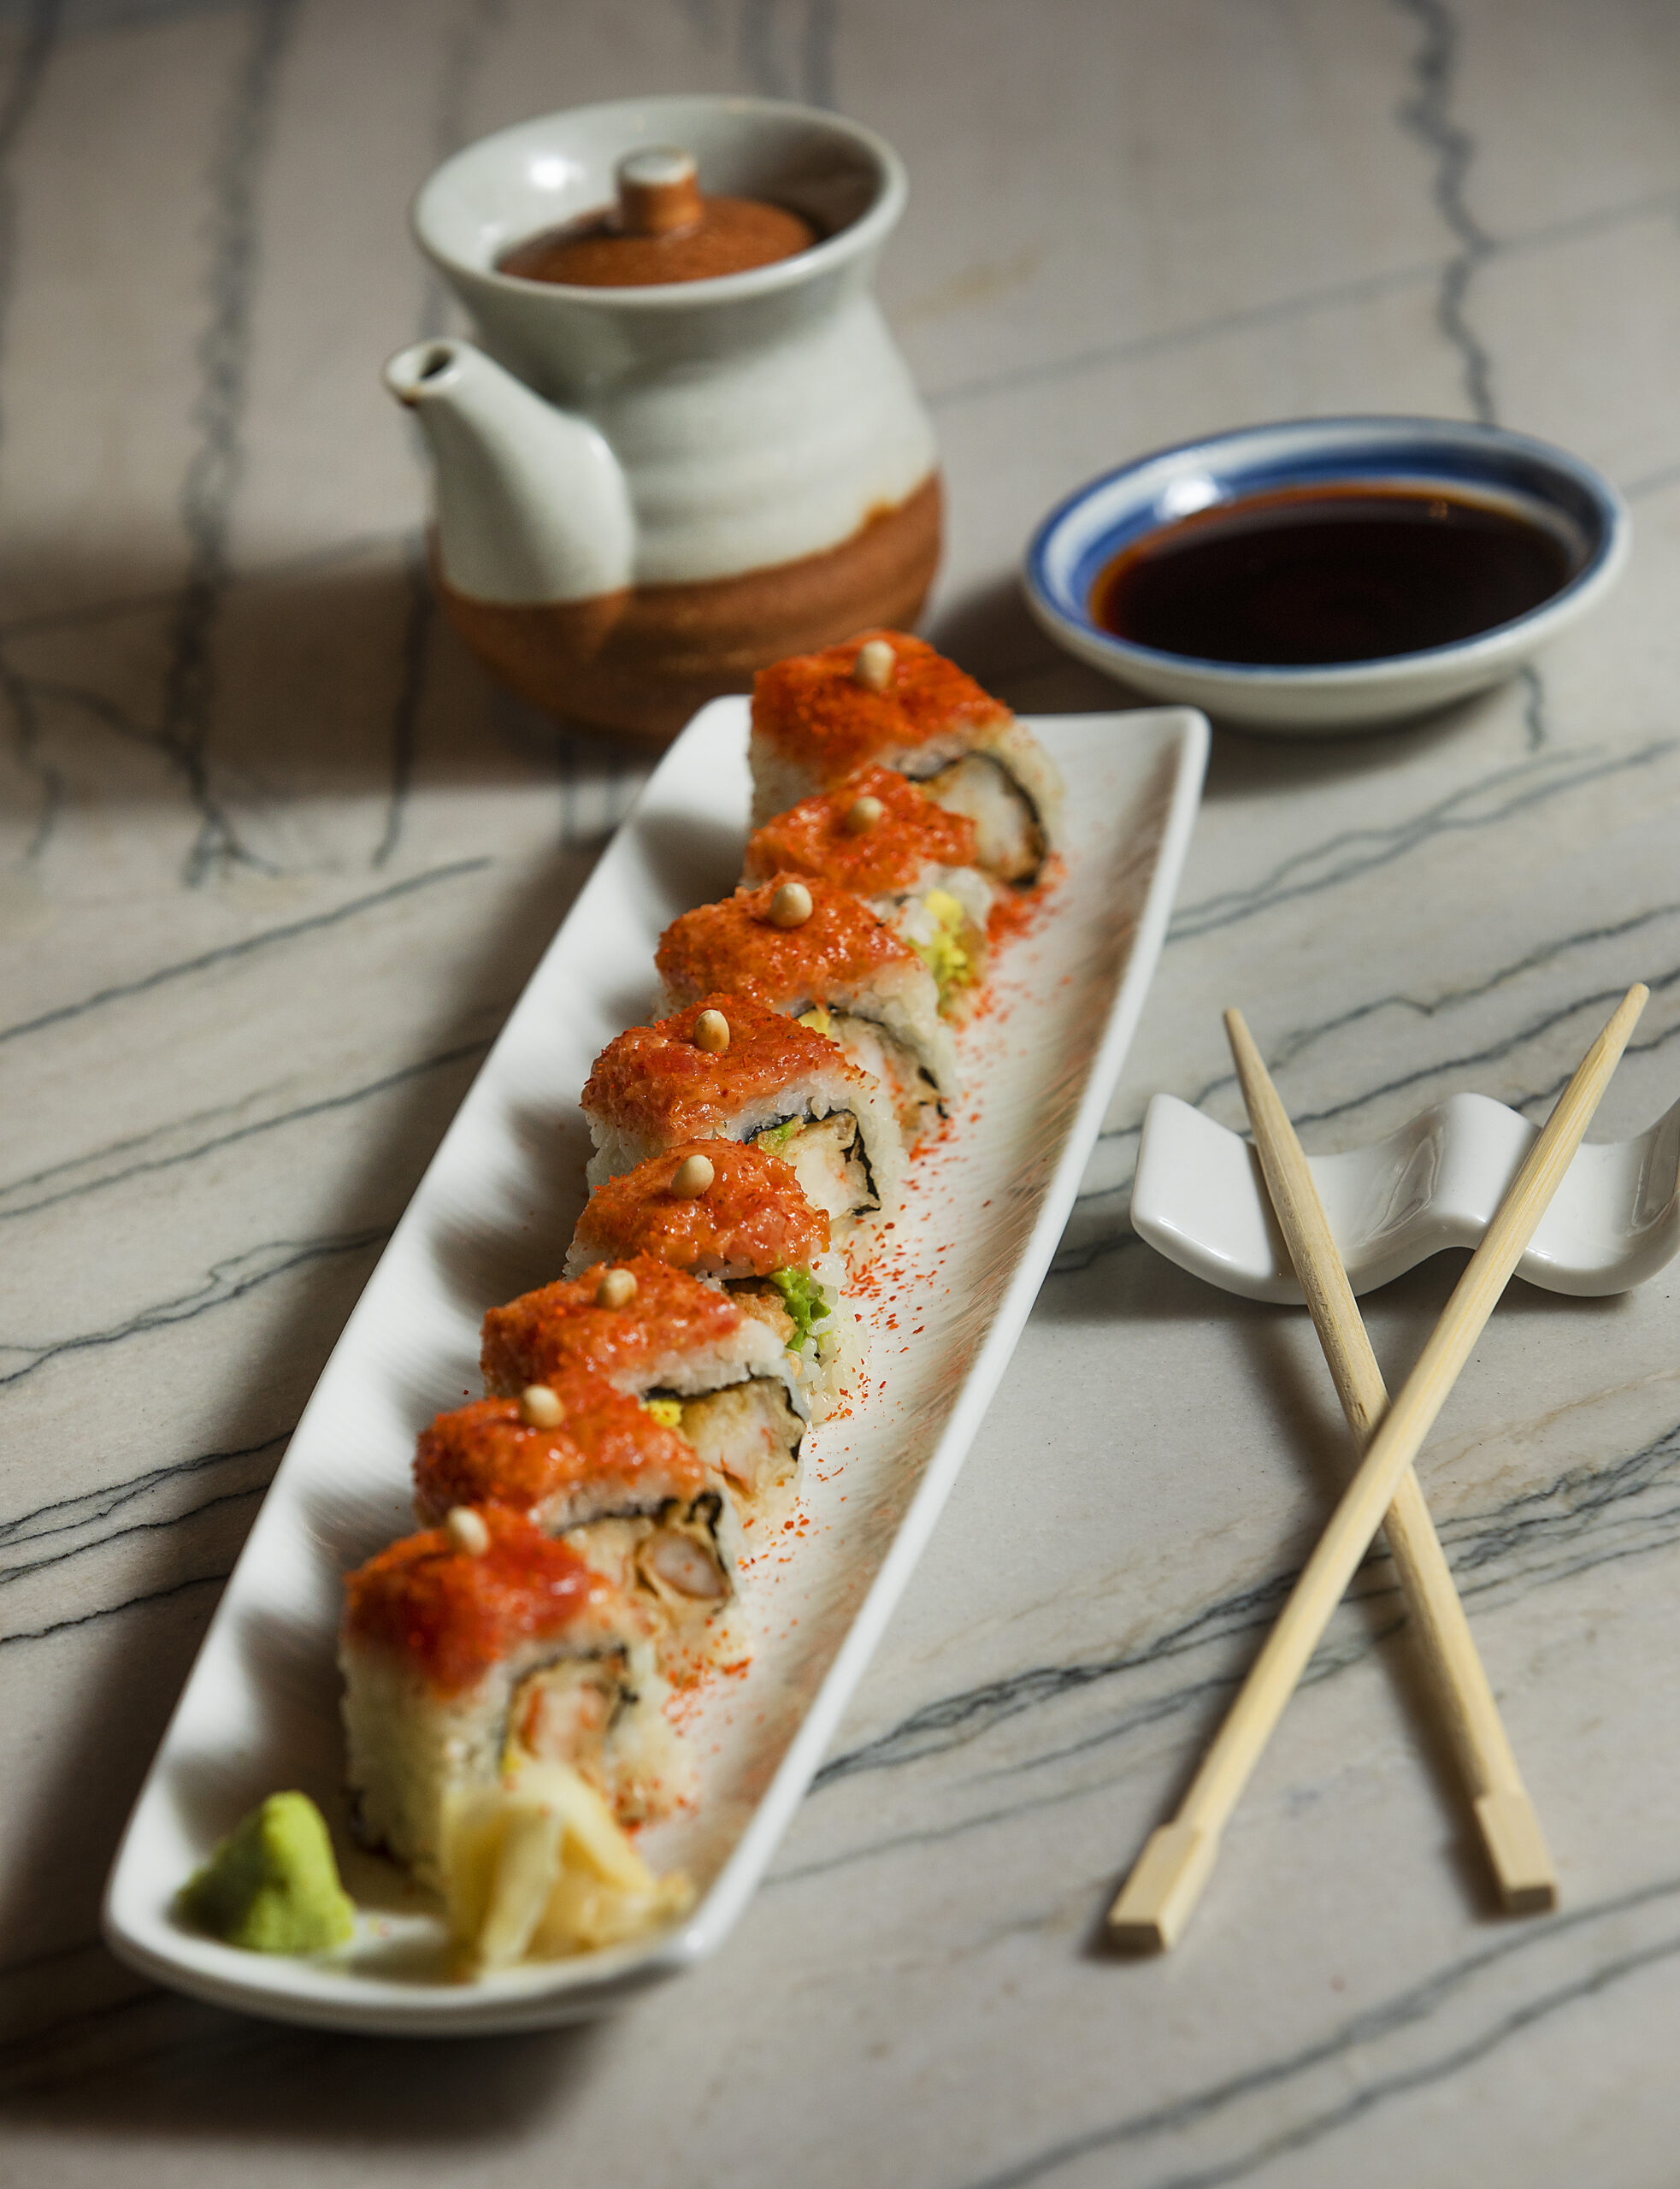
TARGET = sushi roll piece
(737,1217)
(818,954)
(887,699)
(731,1068)
(713,1367)
(591,1465)
(913,861)
(475,1645)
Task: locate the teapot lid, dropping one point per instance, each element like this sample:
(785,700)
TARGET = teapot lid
(663,228)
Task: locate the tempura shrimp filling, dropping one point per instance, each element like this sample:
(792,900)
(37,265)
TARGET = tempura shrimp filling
(751,1433)
(681,1556)
(1011,836)
(596,1709)
(564,1712)
(917,1101)
(828,1159)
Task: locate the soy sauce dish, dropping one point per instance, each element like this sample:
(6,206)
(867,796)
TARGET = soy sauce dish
(1329,574)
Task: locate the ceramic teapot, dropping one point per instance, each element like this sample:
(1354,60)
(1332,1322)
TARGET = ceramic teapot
(647,490)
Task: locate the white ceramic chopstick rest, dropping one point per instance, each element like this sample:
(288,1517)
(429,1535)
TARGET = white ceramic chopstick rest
(1199,1199)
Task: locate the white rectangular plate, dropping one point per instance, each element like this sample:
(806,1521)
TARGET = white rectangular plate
(493,1216)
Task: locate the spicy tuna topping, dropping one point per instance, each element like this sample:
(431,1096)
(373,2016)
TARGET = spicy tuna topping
(876,833)
(455,1615)
(491,1453)
(841,945)
(815,705)
(753,1216)
(563,1327)
(660,1078)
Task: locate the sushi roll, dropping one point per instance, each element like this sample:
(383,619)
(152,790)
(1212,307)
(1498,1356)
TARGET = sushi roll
(737,1217)
(731,1068)
(713,1367)
(914,861)
(886,699)
(591,1465)
(820,955)
(482,1642)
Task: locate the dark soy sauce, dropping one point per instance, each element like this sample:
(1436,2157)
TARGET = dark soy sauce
(1310,576)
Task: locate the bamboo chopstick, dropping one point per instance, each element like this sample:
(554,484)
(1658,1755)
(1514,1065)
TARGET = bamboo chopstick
(1157,1899)
(1516,1845)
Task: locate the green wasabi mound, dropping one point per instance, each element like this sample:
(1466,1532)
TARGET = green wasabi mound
(802,1296)
(271,1885)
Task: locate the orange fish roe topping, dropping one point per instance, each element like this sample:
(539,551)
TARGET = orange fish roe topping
(456,1616)
(814,705)
(658,1079)
(815,837)
(737,945)
(754,1213)
(487,1453)
(559,1328)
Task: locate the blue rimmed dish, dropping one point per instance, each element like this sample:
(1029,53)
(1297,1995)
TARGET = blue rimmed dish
(1543,486)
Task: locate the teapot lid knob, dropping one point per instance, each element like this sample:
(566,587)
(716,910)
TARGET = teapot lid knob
(658,191)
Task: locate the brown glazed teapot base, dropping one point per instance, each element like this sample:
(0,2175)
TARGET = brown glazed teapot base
(642,662)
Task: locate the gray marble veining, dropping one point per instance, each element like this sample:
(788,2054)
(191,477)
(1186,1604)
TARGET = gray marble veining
(277,859)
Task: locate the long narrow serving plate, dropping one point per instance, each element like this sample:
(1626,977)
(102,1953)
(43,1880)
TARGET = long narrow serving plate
(493,1216)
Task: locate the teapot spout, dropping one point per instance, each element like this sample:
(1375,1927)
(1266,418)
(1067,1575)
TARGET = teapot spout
(531,503)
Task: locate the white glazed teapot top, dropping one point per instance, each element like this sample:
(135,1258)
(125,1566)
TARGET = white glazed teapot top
(661,229)
(698,421)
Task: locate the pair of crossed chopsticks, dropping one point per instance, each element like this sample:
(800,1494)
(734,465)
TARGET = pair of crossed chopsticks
(1157,1899)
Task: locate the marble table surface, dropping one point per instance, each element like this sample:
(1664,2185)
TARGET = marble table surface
(277,859)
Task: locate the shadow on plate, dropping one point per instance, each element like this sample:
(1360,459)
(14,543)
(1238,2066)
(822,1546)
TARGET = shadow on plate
(687,862)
